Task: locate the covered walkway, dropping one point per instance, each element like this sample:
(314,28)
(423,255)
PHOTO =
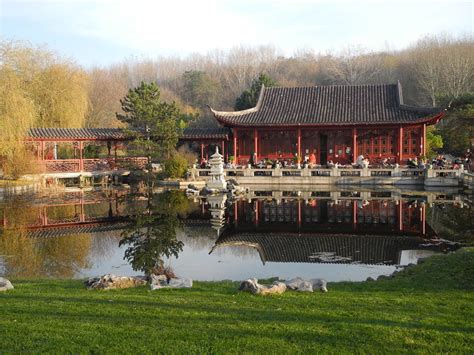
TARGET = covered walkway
(70,150)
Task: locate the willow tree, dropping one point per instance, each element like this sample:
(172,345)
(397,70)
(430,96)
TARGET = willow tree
(37,89)
(17,114)
(56,86)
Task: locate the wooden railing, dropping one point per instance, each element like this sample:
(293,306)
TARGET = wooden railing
(93,165)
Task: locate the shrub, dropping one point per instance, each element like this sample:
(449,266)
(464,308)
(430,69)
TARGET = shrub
(188,154)
(175,167)
(19,162)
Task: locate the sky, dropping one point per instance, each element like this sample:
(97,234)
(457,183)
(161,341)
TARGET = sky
(100,32)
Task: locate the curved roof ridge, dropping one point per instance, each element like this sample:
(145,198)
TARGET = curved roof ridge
(328,86)
(242,112)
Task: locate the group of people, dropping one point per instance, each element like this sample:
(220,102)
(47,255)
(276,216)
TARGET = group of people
(416,163)
(309,161)
(362,162)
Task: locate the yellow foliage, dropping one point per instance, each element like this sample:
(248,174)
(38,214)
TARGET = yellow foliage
(37,89)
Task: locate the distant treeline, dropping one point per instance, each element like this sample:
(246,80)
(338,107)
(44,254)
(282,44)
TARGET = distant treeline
(432,71)
(41,88)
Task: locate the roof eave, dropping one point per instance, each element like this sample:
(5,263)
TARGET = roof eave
(429,120)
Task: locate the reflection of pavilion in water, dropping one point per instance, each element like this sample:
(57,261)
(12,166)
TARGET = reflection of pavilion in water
(284,226)
(73,213)
(319,229)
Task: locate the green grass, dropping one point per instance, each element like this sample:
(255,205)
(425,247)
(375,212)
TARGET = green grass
(427,309)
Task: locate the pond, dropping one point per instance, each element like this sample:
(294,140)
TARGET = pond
(323,232)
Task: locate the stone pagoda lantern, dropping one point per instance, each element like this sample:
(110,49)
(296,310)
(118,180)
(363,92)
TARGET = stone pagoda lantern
(217,180)
(217,207)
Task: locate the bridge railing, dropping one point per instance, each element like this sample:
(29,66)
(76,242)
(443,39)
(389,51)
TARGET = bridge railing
(93,165)
(468,179)
(379,172)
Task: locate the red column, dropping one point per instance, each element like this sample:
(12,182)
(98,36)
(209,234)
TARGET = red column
(255,142)
(371,145)
(236,213)
(423,219)
(354,144)
(256,213)
(82,216)
(400,215)
(202,151)
(423,140)
(354,214)
(81,160)
(235,147)
(299,143)
(42,150)
(380,144)
(400,145)
(299,212)
(45,216)
(223,151)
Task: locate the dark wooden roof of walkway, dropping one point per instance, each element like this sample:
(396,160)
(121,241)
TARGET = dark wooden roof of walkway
(105,134)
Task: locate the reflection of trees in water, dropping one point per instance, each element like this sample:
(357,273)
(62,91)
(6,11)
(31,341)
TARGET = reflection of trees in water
(451,222)
(241,251)
(52,257)
(153,234)
(104,244)
(60,257)
(198,237)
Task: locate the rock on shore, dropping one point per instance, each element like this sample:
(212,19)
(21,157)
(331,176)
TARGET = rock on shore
(5,285)
(161,281)
(252,285)
(111,281)
(296,284)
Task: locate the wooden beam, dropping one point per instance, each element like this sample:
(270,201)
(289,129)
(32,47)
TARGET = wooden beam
(400,215)
(81,158)
(354,144)
(354,214)
(235,146)
(255,143)
(423,140)
(299,143)
(400,145)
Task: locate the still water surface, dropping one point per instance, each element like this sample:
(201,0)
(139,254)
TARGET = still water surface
(332,234)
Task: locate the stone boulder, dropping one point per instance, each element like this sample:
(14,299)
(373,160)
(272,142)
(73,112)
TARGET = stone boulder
(252,285)
(158,282)
(111,282)
(5,285)
(302,285)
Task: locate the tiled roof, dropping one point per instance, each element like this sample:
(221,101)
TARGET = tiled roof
(205,133)
(118,133)
(76,133)
(83,228)
(327,248)
(329,105)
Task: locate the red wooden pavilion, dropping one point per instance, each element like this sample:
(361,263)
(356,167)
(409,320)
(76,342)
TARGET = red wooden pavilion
(335,123)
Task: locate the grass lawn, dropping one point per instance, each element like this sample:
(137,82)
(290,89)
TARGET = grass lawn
(428,309)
